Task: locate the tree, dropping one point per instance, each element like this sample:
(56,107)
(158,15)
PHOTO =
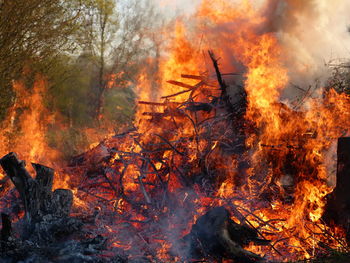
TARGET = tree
(120,38)
(33,33)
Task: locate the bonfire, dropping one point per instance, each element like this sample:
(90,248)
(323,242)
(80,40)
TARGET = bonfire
(216,168)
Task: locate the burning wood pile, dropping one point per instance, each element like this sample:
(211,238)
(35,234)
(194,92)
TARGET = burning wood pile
(217,169)
(195,181)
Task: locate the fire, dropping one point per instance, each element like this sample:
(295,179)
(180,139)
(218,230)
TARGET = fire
(173,167)
(33,118)
(183,57)
(25,130)
(314,128)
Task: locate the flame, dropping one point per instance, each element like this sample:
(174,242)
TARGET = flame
(33,119)
(25,131)
(236,32)
(151,179)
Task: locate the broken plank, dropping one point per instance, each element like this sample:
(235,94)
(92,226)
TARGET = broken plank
(181,84)
(186,76)
(152,103)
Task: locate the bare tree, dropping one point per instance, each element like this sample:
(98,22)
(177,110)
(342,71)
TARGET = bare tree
(119,36)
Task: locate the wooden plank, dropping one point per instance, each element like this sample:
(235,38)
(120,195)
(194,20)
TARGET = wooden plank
(186,76)
(176,94)
(152,103)
(181,84)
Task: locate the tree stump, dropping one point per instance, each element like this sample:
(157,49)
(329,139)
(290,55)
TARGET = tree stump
(46,212)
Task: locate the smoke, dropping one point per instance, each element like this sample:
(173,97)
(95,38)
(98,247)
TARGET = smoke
(312,33)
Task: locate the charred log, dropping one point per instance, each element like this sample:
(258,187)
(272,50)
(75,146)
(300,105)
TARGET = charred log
(6,230)
(338,205)
(47,233)
(23,182)
(199,107)
(216,236)
(36,194)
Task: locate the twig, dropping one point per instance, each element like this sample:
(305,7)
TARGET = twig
(241,217)
(143,190)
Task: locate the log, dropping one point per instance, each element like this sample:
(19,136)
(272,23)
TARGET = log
(46,217)
(224,92)
(338,205)
(36,194)
(6,229)
(62,201)
(216,236)
(44,179)
(187,76)
(152,103)
(194,107)
(176,94)
(24,183)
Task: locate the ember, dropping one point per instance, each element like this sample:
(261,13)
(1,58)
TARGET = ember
(215,169)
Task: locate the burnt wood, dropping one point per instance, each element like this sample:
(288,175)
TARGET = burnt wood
(46,233)
(216,236)
(24,183)
(62,201)
(44,179)
(6,229)
(338,205)
(36,194)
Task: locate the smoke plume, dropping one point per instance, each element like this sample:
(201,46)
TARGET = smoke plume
(313,33)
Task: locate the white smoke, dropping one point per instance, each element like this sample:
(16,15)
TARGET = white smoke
(313,33)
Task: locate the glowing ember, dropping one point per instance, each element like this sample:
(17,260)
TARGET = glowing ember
(154,182)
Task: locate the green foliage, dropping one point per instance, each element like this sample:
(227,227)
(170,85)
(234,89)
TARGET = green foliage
(120,36)
(119,105)
(77,45)
(32,34)
(70,91)
(6,98)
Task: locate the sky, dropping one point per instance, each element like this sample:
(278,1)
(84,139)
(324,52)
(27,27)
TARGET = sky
(187,6)
(177,6)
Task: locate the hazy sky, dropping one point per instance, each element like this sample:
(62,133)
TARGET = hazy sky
(177,6)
